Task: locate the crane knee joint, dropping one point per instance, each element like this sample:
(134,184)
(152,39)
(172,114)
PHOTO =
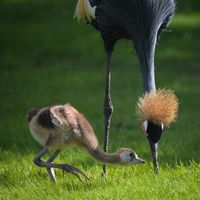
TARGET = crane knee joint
(108,110)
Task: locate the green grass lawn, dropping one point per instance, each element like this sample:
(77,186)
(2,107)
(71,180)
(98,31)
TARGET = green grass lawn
(47,58)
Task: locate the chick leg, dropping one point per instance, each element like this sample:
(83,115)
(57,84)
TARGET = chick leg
(51,170)
(65,167)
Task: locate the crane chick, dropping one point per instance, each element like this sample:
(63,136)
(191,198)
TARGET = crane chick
(62,126)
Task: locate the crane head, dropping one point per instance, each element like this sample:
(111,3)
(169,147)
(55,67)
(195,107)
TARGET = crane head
(156,109)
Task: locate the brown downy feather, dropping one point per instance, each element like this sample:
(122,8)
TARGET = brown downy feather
(159,106)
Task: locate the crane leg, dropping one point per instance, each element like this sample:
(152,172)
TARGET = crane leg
(65,167)
(51,170)
(108,107)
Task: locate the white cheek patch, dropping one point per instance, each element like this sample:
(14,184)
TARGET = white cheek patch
(144,127)
(162,126)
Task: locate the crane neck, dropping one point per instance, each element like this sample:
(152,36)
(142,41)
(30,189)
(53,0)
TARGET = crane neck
(146,55)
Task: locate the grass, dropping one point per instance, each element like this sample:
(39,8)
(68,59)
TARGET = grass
(47,58)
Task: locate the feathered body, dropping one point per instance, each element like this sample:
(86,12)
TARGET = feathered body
(62,126)
(141,21)
(58,129)
(138,20)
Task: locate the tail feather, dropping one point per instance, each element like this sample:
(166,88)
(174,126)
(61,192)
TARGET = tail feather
(84,11)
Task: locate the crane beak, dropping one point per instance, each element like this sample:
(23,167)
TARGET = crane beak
(154,154)
(153,132)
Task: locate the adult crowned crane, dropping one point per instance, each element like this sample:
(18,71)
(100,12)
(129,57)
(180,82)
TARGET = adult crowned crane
(141,21)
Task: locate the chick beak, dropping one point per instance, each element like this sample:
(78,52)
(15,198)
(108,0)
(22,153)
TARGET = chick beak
(137,160)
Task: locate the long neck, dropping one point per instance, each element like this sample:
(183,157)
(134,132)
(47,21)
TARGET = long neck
(146,57)
(103,157)
(89,141)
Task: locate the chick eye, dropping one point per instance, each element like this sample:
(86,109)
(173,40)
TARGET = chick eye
(131,154)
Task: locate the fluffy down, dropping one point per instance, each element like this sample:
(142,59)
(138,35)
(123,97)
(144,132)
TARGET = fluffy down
(159,106)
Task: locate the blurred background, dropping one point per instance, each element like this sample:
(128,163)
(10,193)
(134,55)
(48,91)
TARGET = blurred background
(46,57)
